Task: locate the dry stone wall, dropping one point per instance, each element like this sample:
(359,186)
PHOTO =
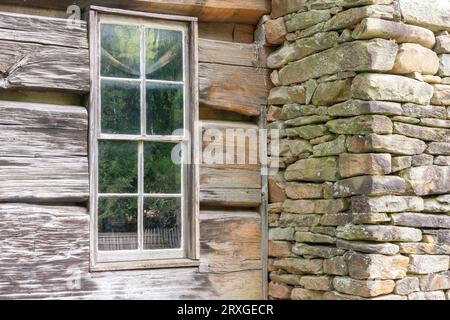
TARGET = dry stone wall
(360,207)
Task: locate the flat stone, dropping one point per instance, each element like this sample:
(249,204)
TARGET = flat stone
(275,31)
(276,188)
(406,119)
(386,87)
(375,55)
(320,206)
(308,132)
(423,264)
(295,190)
(376,266)
(441,95)
(437,281)
(380,233)
(437,123)
(281,234)
(442,160)
(305,294)
(364,124)
(274,113)
(371,28)
(337,296)
(338,76)
(280,277)
(444,65)
(283,7)
(301,48)
(313,170)
(364,288)
(303,20)
(419,111)
(437,180)
(309,237)
(401,163)
(422,160)
(291,111)
(387,203)
(279,291)
(364,164)
(440,204)
(308,32)
(424,248)
(413,57)
(442,44)
(395,144)
(298,220)
(431,14)
(360,107)
(422,133)
(356,3)
(276,207)
(432,79)
(350,18)
(412,219)
(335,266)
(331,148)
(285,95)
(434,295)
(369,185)
(279,249)
(320,4)
(388,249)
(407,285)
(317,251)
(299,266)
(305,120)
(319,283)
(340,219)
(328,93)
(439,148)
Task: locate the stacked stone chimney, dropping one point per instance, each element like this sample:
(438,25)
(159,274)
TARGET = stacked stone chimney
(360,207)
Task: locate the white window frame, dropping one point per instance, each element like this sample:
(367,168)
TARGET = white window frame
(188,254)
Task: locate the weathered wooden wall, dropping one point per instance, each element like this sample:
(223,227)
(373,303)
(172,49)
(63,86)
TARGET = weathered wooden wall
(44,234)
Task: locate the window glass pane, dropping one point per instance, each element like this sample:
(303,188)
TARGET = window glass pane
(164,54)
(164,108)
(162,223)
(117,166)
(121,112)
(120,51)
(117,223)
(161,174)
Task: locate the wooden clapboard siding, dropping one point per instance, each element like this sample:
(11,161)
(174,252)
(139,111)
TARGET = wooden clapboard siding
(43,152)
(248,11)
(230,176)
(230,241)
(231,32)
(43,53)
(44,254)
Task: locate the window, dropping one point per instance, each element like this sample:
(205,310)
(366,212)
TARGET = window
(143,109)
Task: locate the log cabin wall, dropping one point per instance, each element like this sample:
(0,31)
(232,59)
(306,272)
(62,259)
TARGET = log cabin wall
(44,193)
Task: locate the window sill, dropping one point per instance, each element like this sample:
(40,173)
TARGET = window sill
(144,265)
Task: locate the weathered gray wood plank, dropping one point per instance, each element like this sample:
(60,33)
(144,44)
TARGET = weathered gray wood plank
(229,197)
(44,30)
(28,65)
(230,241)
(234,88)
(232,176)
(44,180)
(41,130)
(44,253)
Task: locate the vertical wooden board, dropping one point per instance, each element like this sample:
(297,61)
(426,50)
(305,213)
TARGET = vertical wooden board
(230,241)
(242,285)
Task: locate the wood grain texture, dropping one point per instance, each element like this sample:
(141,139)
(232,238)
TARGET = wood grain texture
(230,176)
(231,32)
(36,66)
(230,241)
(42,30)
(44,254)
(234,88)
(228,197)
(231,53)
(248,11)
(41,130)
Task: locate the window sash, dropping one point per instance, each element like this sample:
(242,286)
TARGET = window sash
(189,237)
